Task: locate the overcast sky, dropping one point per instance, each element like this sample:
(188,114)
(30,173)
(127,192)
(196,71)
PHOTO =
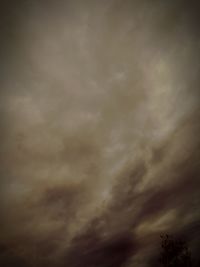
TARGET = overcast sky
(99,112)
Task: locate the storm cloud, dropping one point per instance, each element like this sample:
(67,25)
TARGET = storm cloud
(100,143)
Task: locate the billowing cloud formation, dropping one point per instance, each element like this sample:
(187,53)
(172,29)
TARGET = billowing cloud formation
(100,121)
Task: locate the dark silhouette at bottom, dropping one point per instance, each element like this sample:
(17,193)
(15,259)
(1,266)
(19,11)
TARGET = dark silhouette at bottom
(174,253)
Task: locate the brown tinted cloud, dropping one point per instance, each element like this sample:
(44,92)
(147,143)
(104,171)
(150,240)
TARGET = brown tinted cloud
(99,131)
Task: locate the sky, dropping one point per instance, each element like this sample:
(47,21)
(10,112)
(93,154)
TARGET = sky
(100,118)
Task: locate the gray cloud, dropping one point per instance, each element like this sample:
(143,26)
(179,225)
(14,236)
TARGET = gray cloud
(100,121)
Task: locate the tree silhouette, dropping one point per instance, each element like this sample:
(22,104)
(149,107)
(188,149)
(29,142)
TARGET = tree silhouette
(175,253)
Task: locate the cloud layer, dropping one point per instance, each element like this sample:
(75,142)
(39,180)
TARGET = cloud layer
(100,121)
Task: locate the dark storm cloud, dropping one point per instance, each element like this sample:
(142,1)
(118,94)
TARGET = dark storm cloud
(100,121)
(180,195)
(95,252)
